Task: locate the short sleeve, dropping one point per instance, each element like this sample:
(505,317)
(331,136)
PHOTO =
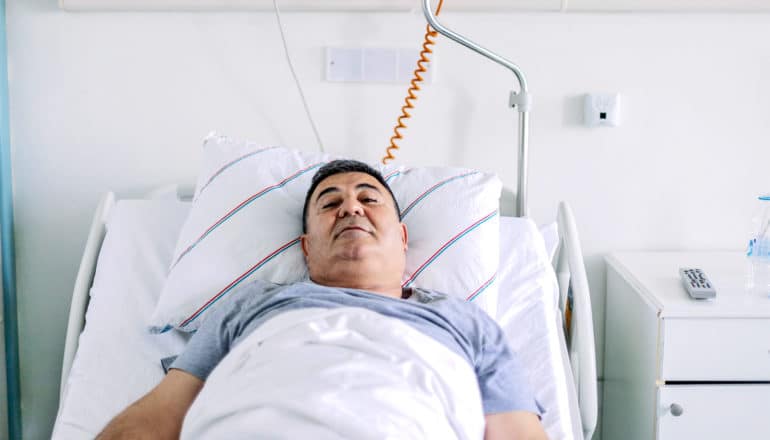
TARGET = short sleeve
(207,346)
(503,379)
(216,334)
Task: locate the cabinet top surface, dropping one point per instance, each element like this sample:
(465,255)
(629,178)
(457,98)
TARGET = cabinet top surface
(655,275)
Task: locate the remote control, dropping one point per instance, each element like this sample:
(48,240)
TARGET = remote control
(696,283)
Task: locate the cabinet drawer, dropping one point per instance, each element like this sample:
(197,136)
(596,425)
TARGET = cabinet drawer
(714,412)
(715,350)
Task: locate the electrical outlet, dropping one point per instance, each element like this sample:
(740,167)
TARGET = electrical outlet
(602,109)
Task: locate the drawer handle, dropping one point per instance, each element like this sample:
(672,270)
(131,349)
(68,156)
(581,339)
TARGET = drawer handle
(676,409)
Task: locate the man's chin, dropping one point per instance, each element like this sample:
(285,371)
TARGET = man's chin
(353,252)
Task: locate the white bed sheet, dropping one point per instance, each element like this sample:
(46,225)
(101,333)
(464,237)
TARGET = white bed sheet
(529,315)
(118,360)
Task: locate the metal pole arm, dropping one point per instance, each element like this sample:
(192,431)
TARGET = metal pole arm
(431,17)
(520,101)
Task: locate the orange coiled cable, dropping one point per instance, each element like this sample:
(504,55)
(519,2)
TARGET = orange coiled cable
(430,34)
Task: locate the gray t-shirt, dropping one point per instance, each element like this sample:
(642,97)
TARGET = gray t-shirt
(459,325)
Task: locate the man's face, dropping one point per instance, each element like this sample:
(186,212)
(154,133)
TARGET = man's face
(353,231)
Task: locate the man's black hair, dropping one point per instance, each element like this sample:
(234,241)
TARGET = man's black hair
(344,166)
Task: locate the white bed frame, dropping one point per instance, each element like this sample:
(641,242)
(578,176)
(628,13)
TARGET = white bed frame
(568,263)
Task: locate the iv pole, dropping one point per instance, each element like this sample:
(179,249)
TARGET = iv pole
(521,101)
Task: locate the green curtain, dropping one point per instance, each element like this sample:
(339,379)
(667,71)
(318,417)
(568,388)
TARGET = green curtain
(8,246)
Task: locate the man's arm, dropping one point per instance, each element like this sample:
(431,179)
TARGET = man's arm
(159,414)
(519,425)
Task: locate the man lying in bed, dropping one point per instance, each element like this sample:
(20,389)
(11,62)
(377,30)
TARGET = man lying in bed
(355,247)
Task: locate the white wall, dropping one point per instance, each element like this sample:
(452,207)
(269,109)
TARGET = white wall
(120,101)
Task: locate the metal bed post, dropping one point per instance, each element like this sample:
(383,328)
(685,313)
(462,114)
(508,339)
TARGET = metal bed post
(520,100)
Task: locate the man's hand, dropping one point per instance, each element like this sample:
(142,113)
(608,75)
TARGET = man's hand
(519,425)
(160,413)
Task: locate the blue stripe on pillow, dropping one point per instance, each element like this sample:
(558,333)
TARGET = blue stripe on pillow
(238,281)
(481,289)
(243,205)
(391,175)
(228,165)
(432,189)
(447,245)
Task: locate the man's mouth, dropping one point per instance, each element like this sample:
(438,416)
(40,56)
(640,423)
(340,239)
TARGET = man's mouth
(350,228)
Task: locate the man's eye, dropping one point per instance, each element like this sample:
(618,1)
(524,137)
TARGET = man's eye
(331,204)
(369,200)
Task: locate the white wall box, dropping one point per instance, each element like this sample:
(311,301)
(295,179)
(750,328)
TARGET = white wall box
(678,368)
(406,5)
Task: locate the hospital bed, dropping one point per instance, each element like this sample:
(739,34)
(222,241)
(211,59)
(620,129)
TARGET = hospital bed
(110,358)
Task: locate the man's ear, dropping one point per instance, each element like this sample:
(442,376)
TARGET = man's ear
(303,243)
(404,236)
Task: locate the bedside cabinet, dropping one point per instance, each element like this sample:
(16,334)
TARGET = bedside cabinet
(679,368)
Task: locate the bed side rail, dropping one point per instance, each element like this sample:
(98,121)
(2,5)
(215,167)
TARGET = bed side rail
(575,302)
(85,278)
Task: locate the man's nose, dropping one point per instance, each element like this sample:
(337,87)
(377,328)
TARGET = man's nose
(351,207)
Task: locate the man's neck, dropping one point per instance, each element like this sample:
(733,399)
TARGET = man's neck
(393,291)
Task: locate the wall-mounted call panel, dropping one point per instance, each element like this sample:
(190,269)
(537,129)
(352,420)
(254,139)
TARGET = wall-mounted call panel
(408,5)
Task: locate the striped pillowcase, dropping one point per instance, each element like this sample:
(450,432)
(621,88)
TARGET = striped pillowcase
(245,224)
(453,221)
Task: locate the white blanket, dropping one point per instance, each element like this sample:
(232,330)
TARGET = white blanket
(338,373)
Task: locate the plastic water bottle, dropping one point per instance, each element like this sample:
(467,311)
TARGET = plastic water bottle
(758,252)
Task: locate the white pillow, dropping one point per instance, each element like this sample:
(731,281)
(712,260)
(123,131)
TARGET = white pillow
(525,271)
(550,233)
(452,216)
(246,220)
